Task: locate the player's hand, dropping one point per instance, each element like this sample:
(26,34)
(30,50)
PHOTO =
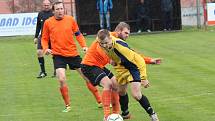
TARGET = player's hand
(156,61)
(145,83)
(48,51)
(35,40)
(85,49)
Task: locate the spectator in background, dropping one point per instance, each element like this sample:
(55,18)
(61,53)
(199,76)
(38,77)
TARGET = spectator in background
(104,7)
(167,14)
(42,16)
(142,15)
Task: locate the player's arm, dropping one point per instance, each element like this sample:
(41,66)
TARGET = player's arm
(38,28)
(45,39)
(149,60)
(79,37)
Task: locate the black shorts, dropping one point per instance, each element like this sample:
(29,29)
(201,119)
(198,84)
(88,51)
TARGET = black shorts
(61,62)
(95,74)
(39,44)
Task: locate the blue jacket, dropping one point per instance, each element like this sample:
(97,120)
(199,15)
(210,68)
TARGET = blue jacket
(104,5)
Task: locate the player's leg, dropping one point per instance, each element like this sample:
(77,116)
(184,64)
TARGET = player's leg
(60,65)
(64,89)
(76,64)
(114,94)
(115,97)
(41,59)
(124,100)
(107,84)
(97,76)
(93,89)
(142,99)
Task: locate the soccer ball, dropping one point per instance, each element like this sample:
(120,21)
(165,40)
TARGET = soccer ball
(114,117)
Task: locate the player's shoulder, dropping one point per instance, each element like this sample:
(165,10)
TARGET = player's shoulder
(42,13)
(113,34)
(69,17)
(119,41)
(50,19)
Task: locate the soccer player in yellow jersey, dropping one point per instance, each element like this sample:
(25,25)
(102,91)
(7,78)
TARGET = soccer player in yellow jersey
(130,68)
(122,31)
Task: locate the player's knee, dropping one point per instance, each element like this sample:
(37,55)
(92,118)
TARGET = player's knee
(122,92)
(114,88)
(107,84)
(39,53)
(136,95)
(62,79)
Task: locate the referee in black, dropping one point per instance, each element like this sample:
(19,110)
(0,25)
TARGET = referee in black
(42,16)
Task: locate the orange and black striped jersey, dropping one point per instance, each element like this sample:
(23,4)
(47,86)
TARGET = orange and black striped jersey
(61,33)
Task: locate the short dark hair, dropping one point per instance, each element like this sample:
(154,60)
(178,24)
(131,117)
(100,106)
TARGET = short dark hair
(121,26)
(56,3)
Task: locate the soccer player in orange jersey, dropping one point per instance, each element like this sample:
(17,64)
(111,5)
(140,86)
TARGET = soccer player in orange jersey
(93,67)
(60,30)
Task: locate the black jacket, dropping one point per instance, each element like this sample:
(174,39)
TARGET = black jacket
(143,9)
(42,16)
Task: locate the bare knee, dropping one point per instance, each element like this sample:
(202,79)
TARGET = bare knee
(136,90)
(62,81)
(136,95)
(39,53)
(106,83)
(122,90)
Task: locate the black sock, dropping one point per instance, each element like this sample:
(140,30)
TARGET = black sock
(144,102)
(42,64)
(124,104)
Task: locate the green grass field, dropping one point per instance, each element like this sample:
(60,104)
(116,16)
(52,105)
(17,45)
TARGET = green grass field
(182,87)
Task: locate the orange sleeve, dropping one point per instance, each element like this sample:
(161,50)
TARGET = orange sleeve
(114,34)
(81,40)
(45,36)
(79,37)
(148,60)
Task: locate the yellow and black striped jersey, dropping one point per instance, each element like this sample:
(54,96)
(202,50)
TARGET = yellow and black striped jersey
(125,58)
